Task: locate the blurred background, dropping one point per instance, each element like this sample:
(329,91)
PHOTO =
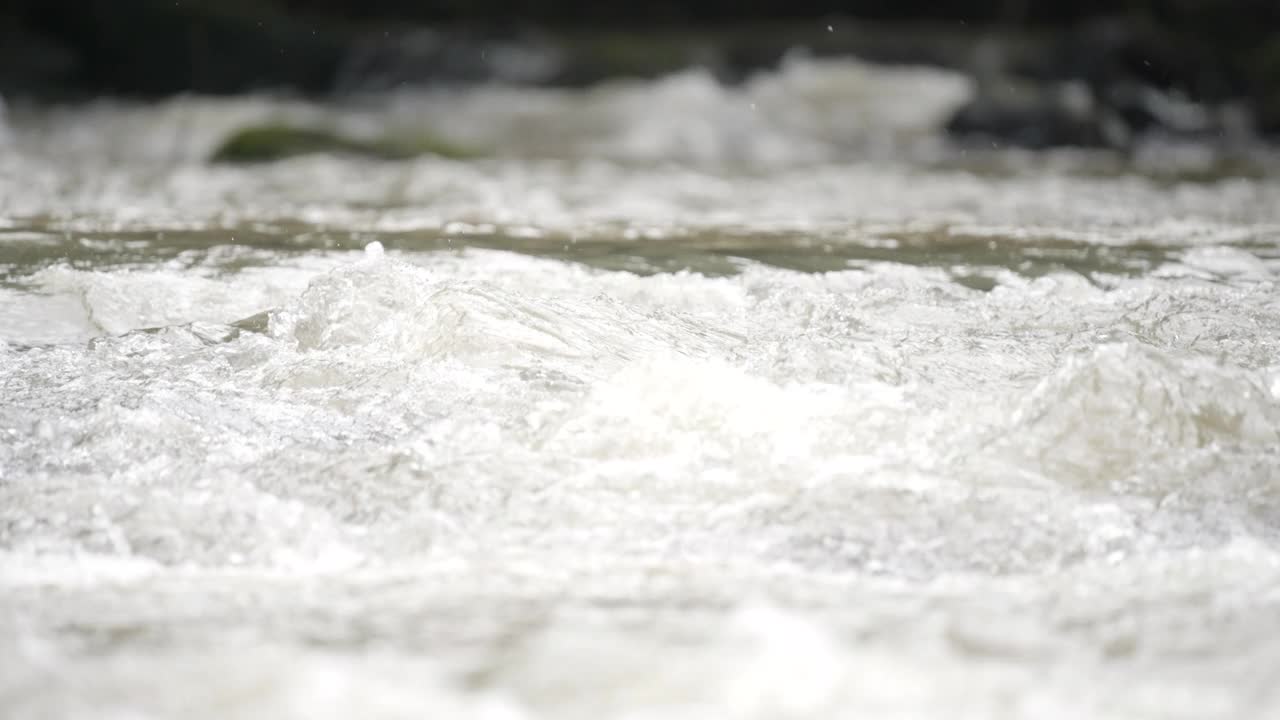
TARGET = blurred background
(1054,73)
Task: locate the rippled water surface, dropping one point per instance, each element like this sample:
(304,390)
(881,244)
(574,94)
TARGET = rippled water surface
(690,402)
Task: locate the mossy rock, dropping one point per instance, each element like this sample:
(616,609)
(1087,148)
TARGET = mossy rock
(267,143)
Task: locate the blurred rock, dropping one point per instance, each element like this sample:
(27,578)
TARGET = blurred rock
(1032,116)
(1110,82)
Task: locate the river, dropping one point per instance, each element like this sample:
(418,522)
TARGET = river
(689,401)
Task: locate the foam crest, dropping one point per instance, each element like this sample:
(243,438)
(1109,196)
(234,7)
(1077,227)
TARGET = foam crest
(1113,414)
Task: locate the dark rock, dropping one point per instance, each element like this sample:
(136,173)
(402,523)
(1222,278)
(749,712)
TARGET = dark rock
(1139,77)
(1035,117)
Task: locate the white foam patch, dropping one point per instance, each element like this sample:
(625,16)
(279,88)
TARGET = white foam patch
(1103,417)
(74,304)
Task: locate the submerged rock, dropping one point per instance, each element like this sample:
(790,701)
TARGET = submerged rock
(266,143)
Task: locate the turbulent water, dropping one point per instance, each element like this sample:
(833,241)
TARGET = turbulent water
(691,402)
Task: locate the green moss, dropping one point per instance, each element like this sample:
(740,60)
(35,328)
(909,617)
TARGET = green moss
(267,143)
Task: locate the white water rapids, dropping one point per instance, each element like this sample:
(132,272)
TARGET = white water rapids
(694,402)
